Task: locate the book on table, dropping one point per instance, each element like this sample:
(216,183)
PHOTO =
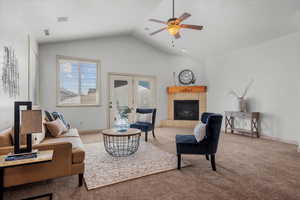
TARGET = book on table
(21,156)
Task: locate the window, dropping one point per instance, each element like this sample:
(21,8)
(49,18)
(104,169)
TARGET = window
(145,96)
(78,82)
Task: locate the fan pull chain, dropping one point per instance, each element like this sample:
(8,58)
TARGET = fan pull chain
(173,44)
(173,8)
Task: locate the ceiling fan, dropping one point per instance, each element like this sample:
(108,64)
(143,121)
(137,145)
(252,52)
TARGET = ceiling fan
(174,24)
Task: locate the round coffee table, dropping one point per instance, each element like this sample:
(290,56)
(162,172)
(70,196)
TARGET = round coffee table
(119,144)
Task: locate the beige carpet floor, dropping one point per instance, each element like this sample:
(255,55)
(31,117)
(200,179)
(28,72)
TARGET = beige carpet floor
(247,168)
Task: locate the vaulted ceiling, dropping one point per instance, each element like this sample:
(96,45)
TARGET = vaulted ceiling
(228,24)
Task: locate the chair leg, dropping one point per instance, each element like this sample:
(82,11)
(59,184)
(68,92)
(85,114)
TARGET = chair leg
(207,157)
(179,161)
(213,163)
(80,180)
(146,136)
(153,133)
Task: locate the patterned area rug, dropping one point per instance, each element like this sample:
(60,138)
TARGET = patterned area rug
(101,169)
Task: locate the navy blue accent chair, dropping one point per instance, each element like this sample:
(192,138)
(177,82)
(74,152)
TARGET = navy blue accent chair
(145,126)
(187,144)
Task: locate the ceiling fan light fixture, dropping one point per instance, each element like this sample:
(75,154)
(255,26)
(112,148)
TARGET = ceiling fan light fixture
(174,24)
(173,29)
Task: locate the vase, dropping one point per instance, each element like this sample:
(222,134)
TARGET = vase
(122,124)
(242,104)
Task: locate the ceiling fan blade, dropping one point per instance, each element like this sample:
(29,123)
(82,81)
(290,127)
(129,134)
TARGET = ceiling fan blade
(184,16)
(158,31)
(158,21)
(195,27)
(177,35)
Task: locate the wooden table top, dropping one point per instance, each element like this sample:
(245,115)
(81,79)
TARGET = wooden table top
(114,132)
(42,156)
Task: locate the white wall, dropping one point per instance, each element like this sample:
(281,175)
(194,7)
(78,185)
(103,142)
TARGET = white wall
(13,33)
(180,63)
(275,68)
(123,54)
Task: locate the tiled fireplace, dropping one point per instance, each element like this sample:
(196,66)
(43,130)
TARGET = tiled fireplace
(185,105)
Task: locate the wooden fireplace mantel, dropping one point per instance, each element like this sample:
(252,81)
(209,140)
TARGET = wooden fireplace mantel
(186,89)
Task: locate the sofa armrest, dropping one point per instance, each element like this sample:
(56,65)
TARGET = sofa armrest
(59,166)
(5,138)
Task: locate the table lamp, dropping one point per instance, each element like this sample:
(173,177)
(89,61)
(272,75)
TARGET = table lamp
(31,121)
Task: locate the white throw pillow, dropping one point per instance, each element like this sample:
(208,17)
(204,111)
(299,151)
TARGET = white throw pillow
(144,117)
(200,131)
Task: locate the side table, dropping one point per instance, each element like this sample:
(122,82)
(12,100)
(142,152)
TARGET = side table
(120,144)
(253,117)
(42,157)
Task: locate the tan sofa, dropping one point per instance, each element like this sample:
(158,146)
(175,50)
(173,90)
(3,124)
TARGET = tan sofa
(68,159)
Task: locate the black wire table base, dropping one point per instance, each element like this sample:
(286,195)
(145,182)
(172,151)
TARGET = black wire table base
(121,145)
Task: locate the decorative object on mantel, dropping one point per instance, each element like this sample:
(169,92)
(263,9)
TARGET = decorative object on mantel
(186,77)
(10,73)
(31,123)
(174,79)
(242,103)
(254,118)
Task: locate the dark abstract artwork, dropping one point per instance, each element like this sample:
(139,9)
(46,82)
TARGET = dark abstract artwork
(10,73)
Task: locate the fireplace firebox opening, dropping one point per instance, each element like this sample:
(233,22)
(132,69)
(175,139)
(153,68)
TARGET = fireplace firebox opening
(186,109)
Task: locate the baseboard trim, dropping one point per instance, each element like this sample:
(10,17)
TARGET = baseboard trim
(267,137)
(279,139)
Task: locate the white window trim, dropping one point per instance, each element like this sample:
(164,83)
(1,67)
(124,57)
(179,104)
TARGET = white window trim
(98,85)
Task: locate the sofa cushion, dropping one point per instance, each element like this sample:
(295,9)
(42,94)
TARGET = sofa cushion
(5,138)
(49,116)
(78,153)
(58,115)
(56,127)
(72,132)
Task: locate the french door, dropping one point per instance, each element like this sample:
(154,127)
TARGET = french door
(133,91)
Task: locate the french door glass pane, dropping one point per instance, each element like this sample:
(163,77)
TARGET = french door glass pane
(121,91)
(144,94)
